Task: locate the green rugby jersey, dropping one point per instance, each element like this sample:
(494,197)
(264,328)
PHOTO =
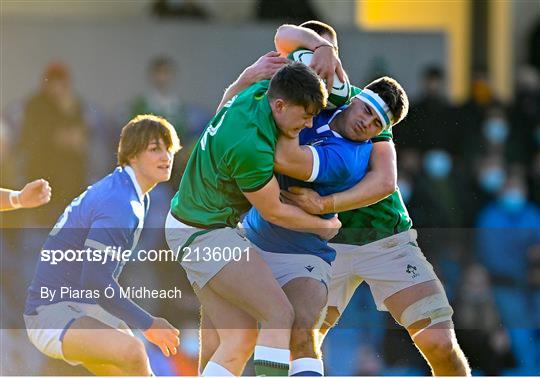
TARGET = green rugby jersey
(234,154)
(380,220)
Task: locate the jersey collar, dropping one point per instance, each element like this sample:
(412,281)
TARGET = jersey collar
(326,127)
(131,174)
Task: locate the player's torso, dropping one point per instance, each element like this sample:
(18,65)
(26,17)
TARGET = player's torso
(209,194)
(69,236)
(273,238)
(380,220)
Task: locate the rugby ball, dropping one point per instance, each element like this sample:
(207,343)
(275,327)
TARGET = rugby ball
(340,92)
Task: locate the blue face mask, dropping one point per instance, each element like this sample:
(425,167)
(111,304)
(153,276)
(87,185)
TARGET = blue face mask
(405,189)
(496,130)
(437,164)
(513,200)
(492,179)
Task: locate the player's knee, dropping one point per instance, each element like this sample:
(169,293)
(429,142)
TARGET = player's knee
(242,342)
(436,344)
(281,316)
(133,357)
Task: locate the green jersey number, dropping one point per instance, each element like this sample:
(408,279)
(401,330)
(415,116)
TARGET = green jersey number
(212,130)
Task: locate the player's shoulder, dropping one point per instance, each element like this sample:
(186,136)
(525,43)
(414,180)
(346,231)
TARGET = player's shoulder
(114,192)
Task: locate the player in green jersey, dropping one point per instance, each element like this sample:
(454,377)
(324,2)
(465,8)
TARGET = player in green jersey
(231,169)
(358,121)
(381,245)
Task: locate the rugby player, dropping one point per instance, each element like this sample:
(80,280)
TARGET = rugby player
(380,244)
(231,169)
(334,156)
(34,194)
(84,319)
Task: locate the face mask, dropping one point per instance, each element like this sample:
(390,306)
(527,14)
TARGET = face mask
(492,179)
(405,189)
(512,200)
(437,164)
(496,130)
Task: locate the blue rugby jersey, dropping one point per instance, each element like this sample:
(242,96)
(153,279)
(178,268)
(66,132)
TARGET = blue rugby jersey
(109,213)
(338,164)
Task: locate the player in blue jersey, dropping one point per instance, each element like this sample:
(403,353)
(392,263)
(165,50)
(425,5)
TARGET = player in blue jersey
(330,157)
(74,309)
(380,245)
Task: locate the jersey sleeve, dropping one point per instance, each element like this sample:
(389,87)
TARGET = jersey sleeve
(385,136)
(251,163)
(113,230)
(333,163)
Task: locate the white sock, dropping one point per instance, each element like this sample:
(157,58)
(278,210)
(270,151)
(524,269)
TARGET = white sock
(306,365)
(213,369)
(282,356)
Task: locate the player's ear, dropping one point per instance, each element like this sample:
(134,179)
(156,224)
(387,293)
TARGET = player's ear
(280,105)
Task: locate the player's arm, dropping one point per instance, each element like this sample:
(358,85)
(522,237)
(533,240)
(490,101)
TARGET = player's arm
(99,276)
(379,182)
(325,55)
(263,69)
(294,160)
(266,201)
(34,194)
(113,230)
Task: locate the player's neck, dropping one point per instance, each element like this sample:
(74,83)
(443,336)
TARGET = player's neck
(145,184)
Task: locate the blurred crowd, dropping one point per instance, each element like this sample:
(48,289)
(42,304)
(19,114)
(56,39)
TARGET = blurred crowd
(469,174)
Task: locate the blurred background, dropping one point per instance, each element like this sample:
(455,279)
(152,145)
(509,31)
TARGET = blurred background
(73,73)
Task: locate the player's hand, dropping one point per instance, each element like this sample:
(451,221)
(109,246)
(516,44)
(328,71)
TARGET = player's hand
(326,63)
(265,67)
(35,193)
(332,229)
(306,199)
(164,335)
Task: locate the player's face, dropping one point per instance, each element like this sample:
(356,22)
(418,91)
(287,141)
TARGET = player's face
(153,165)
(291,119)
(361,122)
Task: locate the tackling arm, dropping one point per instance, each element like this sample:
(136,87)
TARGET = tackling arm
(379,183)
(266,201)
(263,69)
(292,159)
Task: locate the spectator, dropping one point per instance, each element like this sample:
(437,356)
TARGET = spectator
(53,141)
(508,228)
(478,325)
(487,181)
(163,99)
(535,172)
(293,11)
(438,201)
(180,9)
(525,116)
(430,117)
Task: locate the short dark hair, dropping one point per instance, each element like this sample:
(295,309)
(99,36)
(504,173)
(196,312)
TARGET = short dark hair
(161,61)
(300,85)
(393,94)
(320,28)
(140,132)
